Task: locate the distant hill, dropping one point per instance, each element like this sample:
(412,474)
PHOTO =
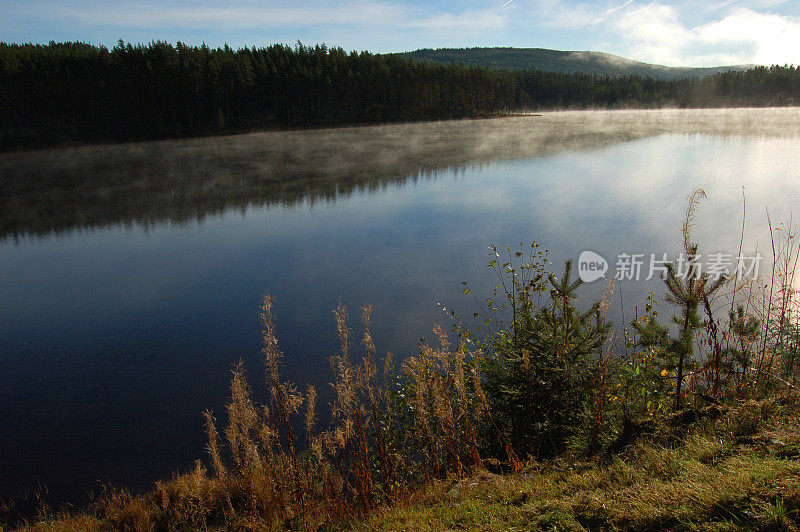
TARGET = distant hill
(560,61)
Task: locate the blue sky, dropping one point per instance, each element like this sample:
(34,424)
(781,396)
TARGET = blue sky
(690,33)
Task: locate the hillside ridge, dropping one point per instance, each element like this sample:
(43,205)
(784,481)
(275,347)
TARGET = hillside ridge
(566,61)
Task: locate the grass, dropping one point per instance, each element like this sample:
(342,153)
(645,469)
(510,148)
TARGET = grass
(711,480)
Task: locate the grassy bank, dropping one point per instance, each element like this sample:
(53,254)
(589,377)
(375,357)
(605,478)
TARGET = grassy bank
(739,470)
(735,468)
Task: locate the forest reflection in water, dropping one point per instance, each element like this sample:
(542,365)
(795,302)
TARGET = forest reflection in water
(57,190)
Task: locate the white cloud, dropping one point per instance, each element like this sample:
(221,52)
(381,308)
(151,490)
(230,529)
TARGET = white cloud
(776,39)
(474,21)
(652,33)
(614,9)
(726,3)
(559,14)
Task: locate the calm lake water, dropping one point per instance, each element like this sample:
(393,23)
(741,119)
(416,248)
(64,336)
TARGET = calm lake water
(131,276)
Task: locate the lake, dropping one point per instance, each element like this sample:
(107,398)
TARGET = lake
(131,275)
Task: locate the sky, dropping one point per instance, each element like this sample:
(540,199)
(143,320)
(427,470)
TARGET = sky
(673,33)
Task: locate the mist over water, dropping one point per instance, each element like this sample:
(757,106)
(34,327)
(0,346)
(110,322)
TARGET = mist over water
(141,184)
(131,275)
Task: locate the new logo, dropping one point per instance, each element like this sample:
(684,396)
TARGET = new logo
(591,266)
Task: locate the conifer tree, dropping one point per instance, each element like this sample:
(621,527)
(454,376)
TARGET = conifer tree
(687,286)
(745,329)
(539,374)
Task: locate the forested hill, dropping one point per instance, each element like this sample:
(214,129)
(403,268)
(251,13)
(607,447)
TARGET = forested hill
(597,63)
(75,92)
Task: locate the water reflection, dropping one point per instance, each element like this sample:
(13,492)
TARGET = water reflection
(183,181)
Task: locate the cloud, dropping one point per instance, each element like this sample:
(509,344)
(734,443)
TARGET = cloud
(652,33)
(614,9)
(656,33)
(726,3)
(472,21)
(776,39)
(563,15)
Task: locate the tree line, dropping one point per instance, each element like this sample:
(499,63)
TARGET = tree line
(75,92)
